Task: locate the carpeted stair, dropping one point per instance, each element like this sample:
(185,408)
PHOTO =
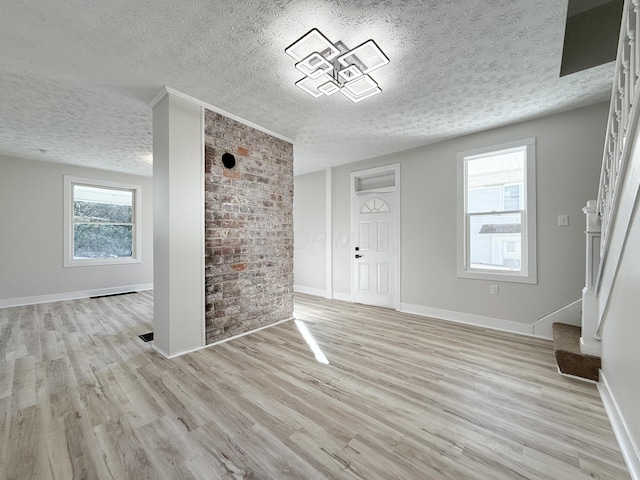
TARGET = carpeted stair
(566,343)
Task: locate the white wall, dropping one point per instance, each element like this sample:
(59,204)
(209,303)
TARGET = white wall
(569,150)
(178,175)
(619,300)
(31,236)
(621,337)
(309,228)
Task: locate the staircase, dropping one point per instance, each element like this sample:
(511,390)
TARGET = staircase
(577,348)
(571,361)
(617,195)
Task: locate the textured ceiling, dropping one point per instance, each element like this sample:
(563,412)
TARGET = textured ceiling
(76,75)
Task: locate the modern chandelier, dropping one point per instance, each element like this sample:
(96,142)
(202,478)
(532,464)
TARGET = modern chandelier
(330,68)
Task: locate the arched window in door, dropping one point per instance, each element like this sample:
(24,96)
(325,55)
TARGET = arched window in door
(375,205)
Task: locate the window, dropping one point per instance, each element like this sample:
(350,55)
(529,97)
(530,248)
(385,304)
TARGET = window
(497,213)
(511,247)
(102,222)
(375,205)
(512,197)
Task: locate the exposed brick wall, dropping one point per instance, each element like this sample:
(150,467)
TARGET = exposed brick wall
(248,229)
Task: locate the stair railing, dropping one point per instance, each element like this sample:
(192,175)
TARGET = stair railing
(619,143)
(623,117)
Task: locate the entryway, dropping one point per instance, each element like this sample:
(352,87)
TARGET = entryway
(375,227)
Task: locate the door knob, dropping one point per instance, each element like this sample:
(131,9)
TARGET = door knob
(359,256)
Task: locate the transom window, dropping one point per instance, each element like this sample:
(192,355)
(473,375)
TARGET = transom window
(375,205)
(101,222)
(496,213)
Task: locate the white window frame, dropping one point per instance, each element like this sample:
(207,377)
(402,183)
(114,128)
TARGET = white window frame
(68,260)
(528,273)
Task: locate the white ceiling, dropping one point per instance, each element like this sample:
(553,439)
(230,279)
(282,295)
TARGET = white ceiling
(76,75)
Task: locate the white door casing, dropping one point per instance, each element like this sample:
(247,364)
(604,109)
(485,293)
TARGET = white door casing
(375,246)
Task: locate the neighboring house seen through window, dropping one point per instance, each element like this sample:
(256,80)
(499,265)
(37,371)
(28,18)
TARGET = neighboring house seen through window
(496,213)
(101,222)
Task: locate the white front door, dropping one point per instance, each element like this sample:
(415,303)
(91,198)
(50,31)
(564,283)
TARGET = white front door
(374,249)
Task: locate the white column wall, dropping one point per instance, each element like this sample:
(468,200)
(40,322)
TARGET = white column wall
(178,176)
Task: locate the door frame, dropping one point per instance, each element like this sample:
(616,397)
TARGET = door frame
(355,176)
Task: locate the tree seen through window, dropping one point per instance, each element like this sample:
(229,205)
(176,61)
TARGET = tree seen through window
(103,222)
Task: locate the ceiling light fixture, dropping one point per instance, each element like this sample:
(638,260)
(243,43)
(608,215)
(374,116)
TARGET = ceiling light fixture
(330,68)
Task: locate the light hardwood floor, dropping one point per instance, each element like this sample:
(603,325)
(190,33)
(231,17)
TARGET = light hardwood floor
(403,397)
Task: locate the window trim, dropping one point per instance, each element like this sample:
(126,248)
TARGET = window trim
(529,273)
(68,260)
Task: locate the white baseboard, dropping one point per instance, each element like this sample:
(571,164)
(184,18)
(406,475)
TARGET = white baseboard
(630,451)
(224,340)
(569,314)
(343,297)
(60,297)
(162,352)
(580,379)
(468,319)
(318,292)
(587,348)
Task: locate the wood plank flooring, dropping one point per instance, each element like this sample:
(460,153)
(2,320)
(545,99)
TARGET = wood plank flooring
(403,397)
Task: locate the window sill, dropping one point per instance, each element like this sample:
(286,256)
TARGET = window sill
(499,277)
(93,262)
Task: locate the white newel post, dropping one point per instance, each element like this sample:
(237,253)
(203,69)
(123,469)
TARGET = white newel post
(589,343)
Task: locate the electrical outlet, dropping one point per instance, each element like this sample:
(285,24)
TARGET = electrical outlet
(563,220)
(493,289)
